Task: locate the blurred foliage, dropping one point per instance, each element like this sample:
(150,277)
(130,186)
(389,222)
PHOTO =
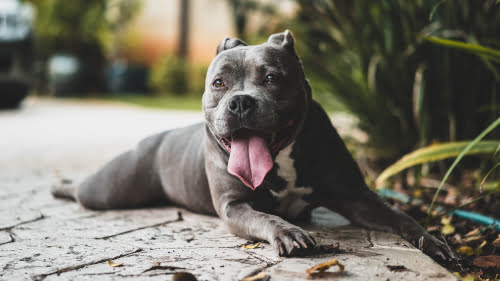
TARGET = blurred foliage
(79,26)
(91,30)
(69,26)
(406,91)
(173,74)
(241,12)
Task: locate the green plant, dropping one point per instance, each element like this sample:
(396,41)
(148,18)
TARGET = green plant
(437,152)
(406,91)
(173,74)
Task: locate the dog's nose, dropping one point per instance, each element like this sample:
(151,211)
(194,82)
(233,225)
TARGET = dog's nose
(241,105)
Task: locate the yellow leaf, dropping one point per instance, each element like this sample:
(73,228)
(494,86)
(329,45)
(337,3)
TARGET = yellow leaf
(324,266)
(468,277)
(259,276)
(465,250)
(447,229)
(446,220)
(482,244)
(417,193)
(251,246)
(112,264)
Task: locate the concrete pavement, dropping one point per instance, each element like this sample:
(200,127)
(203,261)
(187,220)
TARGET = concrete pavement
(46,239)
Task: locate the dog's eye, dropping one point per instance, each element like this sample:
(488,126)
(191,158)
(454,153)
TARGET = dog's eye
(271,78)
(218,83)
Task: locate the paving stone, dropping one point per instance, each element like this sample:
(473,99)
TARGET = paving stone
(12,217)
(97,224)
(390,241)
(205,264)
(60,240)
(195,231)
(5,237)
(371,267)
(47,256)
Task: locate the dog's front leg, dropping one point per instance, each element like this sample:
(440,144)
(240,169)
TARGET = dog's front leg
(244,221)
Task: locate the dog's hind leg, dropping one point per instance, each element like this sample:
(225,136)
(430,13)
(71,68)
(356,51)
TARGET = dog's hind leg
(130,180)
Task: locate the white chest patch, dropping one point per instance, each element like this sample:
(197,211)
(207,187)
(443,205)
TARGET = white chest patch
(290,199)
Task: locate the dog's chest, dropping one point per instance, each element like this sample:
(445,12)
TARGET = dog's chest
(290,199)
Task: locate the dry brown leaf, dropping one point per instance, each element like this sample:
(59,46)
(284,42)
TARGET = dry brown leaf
(456,239)
(112,264)
(433,228)
(465,250)
(472,232)
(472,238)
(251,246)
(259,277)
(324,266)
(487,261)
(496,242)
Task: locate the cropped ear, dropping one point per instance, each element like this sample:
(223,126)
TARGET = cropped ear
(229,43)
(284,39)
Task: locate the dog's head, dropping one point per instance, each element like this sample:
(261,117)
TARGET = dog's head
(255,102)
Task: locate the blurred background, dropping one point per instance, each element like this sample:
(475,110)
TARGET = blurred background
(368,59)
(411,74)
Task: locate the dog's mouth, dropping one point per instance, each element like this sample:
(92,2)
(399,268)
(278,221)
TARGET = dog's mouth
(251,153)
(274,141)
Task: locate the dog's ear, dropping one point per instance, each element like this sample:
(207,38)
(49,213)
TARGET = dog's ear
(283,39)
(229,43)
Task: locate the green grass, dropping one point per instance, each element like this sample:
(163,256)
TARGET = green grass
(181,102)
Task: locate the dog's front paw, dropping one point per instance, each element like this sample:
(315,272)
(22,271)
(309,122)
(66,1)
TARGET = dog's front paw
(287,241)
(434,248)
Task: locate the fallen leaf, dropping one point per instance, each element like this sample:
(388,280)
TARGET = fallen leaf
(324,266)
(447,229)
(482,244)
(397,268)
(456,239)
(465,250)
(487,261)
(259,277)
(446,220)
(251,246)
(433,228)
(496,242)
(112,264)
(472,232)
(417,193)
(468,277)
(472,238)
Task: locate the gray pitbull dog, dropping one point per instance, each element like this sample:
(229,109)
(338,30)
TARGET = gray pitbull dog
(265,152)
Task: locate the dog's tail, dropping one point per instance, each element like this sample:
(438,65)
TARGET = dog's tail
(64,191)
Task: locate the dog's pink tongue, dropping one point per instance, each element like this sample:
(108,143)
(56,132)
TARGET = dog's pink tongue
(250,160)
